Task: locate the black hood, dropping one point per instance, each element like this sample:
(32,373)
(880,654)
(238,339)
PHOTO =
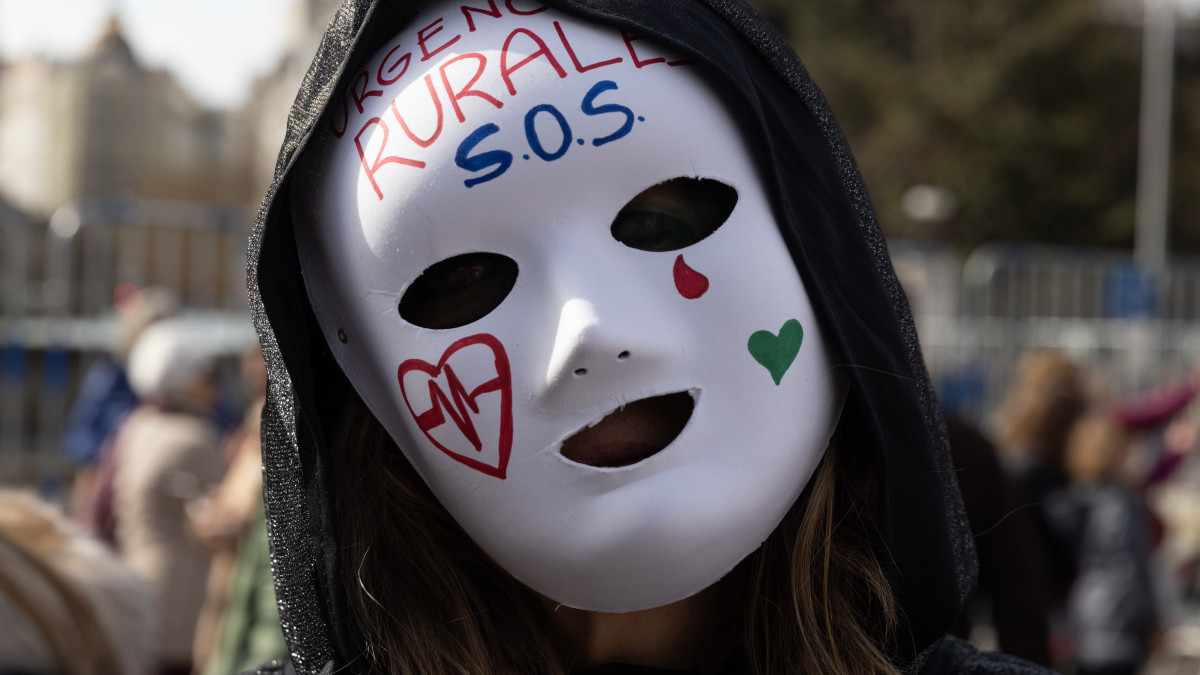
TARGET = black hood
(832,234)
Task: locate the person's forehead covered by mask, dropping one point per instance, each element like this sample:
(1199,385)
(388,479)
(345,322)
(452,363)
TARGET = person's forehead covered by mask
(540,251)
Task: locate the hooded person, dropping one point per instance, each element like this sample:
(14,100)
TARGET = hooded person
(585,351)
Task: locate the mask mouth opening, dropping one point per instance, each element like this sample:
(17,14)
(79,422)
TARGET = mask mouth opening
(635,431)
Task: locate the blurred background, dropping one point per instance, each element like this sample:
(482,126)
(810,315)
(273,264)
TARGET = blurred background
(136,140)
(1034,165)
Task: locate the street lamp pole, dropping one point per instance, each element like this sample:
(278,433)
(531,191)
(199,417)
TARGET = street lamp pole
(1154,146)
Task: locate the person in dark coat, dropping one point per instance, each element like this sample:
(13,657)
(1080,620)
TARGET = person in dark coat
(586,355)
(1046,398)
(1011,576)
(1111,607)
(105,396)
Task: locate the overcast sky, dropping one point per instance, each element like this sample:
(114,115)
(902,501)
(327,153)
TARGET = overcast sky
(214,47)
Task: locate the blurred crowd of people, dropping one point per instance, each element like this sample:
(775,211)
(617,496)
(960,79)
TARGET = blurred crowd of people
(162,565)
(1084,510)
(1085,514)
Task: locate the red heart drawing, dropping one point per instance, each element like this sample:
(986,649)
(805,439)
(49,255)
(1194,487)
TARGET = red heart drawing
(461,404)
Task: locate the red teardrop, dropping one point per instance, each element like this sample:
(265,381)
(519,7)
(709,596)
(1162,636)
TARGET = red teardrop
(690,283)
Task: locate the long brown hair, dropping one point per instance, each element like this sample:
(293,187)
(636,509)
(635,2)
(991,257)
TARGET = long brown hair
(1096,449)
(426,600)
(1047,395)
(70,627)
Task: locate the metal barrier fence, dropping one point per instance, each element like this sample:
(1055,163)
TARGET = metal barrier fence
(975,317)
(58,313)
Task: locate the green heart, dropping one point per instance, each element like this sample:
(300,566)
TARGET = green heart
(777,352)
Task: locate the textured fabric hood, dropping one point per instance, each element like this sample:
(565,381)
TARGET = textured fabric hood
(833,237)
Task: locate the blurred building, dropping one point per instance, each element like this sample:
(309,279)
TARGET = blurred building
(107,126)
(111,177)
(275,91)
(131,173)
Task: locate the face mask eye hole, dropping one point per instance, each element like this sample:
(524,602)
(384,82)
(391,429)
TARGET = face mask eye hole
(459,290)
(674,214)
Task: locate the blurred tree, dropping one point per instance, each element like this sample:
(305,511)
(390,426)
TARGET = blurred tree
(1027,111)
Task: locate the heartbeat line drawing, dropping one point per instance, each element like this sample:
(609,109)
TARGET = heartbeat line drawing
(462,405)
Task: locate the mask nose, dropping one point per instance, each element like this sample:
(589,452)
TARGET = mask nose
(581,345)
(595,348)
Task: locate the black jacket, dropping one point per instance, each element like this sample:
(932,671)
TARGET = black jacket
(839,252)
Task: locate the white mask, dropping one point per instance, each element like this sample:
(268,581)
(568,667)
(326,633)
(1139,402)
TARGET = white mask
(490,391)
